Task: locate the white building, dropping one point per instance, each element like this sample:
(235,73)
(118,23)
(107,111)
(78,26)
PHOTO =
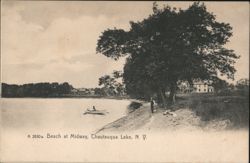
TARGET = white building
(197,87)
(202,87)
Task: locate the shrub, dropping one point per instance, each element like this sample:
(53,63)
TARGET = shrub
(134,105)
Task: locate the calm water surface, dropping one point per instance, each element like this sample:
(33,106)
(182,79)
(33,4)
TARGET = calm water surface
(26,114)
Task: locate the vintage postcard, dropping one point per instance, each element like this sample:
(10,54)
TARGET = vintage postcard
(124,81)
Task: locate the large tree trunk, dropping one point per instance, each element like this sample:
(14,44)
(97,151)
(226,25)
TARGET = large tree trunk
(159,99)
(172,94)
(163,97)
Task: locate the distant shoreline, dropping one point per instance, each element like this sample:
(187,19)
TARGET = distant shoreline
(70,96)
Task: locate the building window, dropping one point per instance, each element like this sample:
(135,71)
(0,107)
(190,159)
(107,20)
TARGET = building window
(205,90)
(199,90)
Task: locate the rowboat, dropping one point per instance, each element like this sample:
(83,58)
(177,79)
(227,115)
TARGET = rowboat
(98,112)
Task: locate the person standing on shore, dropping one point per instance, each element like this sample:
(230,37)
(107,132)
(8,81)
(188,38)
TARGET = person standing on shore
(152,105)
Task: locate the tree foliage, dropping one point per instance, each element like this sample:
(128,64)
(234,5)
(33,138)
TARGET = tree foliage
(36,90)
(168,46)
(220,85)
(111,85)
(242,84)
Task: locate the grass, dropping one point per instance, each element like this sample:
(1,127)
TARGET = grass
(233,109)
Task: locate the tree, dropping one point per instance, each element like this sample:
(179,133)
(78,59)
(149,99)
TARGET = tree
(242,84)
(242,87)
(111,84)
(99,91)
(108,84)
(220,85)
(169,46)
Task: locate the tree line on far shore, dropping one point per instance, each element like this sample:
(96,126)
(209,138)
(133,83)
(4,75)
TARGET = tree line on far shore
(36,90)
(110,86)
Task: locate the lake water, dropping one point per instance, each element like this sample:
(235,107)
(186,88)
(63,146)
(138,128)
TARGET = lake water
(26,114)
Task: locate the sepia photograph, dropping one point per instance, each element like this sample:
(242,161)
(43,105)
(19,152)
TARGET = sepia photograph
(124,81)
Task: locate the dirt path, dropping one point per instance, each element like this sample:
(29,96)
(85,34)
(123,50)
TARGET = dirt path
(185,120)
(143,120)
(133,121)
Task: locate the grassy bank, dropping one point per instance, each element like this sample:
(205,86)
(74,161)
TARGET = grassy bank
(194,112)
(232,110)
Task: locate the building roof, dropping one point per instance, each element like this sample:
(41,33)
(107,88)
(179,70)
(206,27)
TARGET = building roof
(201,83)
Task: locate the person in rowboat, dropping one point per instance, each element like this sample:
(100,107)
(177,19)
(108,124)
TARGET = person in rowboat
(93,109)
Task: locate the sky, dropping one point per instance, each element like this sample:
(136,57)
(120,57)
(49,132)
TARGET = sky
(55,41)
